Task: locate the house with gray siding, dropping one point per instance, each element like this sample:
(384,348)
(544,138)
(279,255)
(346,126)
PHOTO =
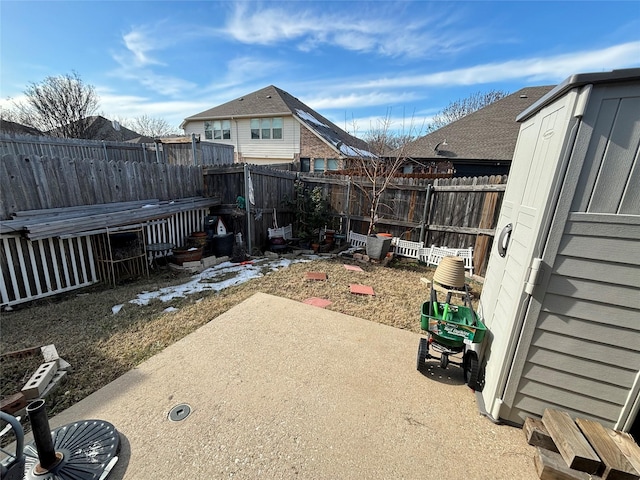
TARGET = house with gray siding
(271,126)
(561,297)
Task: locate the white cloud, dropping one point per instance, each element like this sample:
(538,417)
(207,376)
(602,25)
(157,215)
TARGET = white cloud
(550,69)
(139,43)
(137,61)
(360,126)
(354,100)
(380,28)
(131,106)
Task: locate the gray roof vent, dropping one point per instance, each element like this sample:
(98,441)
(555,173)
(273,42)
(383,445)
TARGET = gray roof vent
(523,95)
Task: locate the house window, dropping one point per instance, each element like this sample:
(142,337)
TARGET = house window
(277,128)
(305,164)
(217,130)
(222,130)
(318,164)
(266,128)
(332,164)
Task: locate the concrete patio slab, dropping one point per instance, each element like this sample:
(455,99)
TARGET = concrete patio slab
(280,389)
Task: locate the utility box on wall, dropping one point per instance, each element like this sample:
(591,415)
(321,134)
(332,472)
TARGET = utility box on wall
(561,297)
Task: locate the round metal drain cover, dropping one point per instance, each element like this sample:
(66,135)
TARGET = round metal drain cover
(179,412)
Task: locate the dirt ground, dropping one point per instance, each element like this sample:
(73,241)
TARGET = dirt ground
(101,345)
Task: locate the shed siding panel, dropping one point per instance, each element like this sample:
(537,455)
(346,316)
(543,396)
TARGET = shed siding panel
(596,270)
(605,313)
(619,160)
(585,352)
(571,364)
(576,384)
(618,250)
(588,330)
(534,403)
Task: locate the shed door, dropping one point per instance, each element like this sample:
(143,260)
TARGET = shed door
(580,344)
(533,178)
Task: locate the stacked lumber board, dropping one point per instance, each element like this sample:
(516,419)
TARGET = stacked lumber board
(55,222)
(580,449)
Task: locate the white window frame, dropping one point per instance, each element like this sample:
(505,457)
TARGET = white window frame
(266,128)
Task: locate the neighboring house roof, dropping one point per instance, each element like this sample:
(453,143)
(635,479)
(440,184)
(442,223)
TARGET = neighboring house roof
(100,128)
(486,134)
(272,101)
(17,128)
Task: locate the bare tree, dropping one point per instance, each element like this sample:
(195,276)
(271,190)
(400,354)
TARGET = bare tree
(459,108)
(58,105)
(149,126)
(375,168)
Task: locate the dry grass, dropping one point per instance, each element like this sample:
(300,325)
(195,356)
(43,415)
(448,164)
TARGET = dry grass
(101,346)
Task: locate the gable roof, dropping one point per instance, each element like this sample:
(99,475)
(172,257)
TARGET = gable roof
(273,101)
(17,128)
(489,133)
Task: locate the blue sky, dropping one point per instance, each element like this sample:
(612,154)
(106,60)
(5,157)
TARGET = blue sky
(354,62)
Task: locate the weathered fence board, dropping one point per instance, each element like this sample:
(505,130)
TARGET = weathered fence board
(271,187)
(179,153)
(459,213)
(30,183)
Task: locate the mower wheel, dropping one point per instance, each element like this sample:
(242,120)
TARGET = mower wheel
(444,360)
(423,353)
(472,370)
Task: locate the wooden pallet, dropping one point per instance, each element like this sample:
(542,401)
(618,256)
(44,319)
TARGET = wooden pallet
(580,449)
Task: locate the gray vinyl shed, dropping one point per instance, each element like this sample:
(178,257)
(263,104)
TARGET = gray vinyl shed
(561,298)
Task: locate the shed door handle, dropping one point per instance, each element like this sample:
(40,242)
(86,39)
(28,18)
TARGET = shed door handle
(503,239)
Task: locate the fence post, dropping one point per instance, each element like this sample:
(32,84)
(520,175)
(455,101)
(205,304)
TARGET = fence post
(247,204)
(193,149)
(157,144)
(104,147)
(348,203)
(426,213)
(144,151)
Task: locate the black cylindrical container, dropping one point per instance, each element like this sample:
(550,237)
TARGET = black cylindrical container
(223,245)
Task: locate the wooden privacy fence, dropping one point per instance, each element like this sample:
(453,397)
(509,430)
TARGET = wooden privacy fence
(455,212)
(270,187)
(181,151)
(32,182)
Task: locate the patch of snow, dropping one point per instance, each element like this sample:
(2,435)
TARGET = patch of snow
(116,308)
(170,309)
(310,118)
(234,273)
(350,151)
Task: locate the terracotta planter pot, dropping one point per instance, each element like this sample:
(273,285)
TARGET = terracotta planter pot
(187,254)
(198,239)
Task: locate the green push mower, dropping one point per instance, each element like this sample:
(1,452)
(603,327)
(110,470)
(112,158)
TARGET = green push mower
(451,329)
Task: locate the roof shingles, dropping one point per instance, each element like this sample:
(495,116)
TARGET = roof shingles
(486,134)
